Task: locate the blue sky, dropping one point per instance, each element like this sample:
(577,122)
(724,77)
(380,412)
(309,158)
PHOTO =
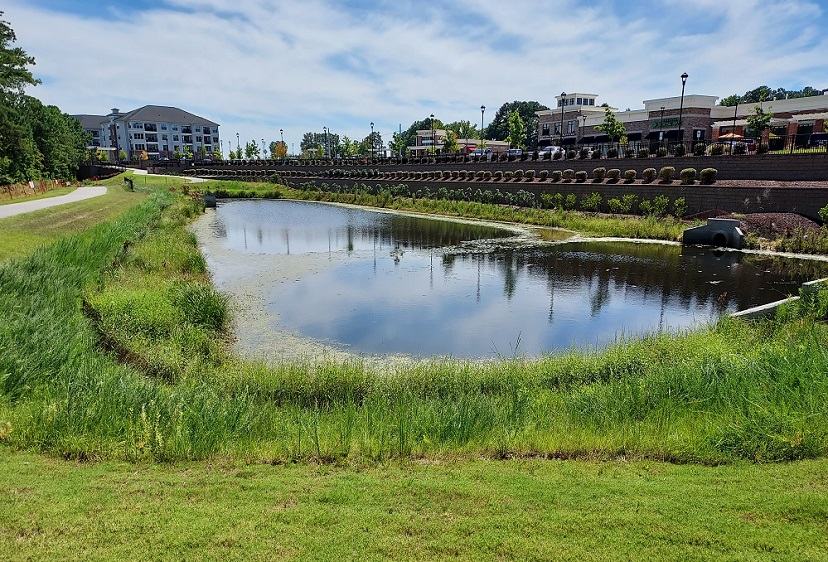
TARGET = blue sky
(257,66)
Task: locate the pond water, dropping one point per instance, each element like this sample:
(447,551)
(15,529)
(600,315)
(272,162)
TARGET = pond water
(382,283)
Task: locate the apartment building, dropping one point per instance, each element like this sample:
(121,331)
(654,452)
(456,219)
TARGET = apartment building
(160,131)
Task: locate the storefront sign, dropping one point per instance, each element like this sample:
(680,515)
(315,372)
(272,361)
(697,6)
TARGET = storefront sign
(671,122)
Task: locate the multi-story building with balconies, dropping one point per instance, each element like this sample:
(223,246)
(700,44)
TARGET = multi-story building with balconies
(159,131)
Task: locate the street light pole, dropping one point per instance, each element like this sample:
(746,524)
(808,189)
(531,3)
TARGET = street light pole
(282,135)
(263,148)
(238,146)
(372,141)
(482,110)
(563,103)
(327,146)
(681,106)
(433,147)
(661,126)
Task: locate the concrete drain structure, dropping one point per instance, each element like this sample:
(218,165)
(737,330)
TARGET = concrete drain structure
(722,233)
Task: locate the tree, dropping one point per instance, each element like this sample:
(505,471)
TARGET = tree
(217,155)
(409,136)
(313,141)
(397,144)
(188,153)
(122,155)
(368,148)
(517,130)
(177,154)
(463,130)
(763,93)
(450,142)
(498,129)
(280,150)
(611,126)
(251,150)
(759,119)
(102,156)
(14,76)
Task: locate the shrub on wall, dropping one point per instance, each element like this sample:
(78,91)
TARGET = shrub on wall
(596,154)
(446,174)
(530,175)
(570,154)
(680,207)
(708,176)
(498,175)
(480,174)
(557,155)
(739,148)
(643,152)
(599,173)
(571,201)
(557,175)
(518,175)
(507,175)
(688,176)
(580,176)
(613,174)
(661,152)
(679,150)
(568,174)
(543,174)
(487,175)
(612,153)
(717,150)
(648,175)
(583,154)
(698,149)
(591,202)
(666,173)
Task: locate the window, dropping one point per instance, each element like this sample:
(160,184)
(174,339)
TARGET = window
(198,138)
(545,129)
(557,128)
(592,102)
(570,127)
(138,136)
(580,101)
(206,130)
(163,126)
(215,140)
(164,137)
(175,137)
(188,139)
(175,127)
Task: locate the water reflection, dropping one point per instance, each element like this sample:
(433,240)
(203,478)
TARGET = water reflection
(382,283)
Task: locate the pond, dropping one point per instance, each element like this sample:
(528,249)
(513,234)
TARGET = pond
(372,283)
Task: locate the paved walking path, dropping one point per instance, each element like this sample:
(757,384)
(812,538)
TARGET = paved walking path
(79,194)
(190,178)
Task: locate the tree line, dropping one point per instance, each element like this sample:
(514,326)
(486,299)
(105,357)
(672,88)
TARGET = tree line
(36,140)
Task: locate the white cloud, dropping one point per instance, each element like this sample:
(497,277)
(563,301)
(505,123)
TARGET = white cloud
(256,67)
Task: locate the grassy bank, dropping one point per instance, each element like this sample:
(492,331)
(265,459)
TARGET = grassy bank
(650,227)
(516,510)
(113,350)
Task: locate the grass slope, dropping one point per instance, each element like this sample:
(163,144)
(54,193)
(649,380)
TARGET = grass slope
(471,510)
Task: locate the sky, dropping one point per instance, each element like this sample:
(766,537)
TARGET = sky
(258,66)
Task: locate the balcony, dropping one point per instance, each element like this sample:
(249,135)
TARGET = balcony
(187,130)
(151,127)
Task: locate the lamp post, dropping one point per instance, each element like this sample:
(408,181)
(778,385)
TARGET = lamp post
(433,147)
(563,103)
(327,146)
(229,148)
(282,135)
(681,106)
(263,148)
(372,140)
(482,110)
(582,117)
(661,126)
(238,146)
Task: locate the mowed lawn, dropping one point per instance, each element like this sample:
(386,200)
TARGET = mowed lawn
(21,234)
(470,510)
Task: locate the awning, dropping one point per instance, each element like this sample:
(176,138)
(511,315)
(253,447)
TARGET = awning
(586,139)
(569,140)
(674,134)
(601,138)
(653,135)
(634,136)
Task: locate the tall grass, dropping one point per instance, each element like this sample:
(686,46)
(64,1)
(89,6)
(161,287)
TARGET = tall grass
(112,346)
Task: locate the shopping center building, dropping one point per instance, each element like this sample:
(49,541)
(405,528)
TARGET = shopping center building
(686,118)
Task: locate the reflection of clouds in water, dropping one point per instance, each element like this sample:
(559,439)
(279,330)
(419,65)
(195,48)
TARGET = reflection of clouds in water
(388,296)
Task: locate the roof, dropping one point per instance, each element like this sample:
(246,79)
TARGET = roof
(90,121)
(164,114)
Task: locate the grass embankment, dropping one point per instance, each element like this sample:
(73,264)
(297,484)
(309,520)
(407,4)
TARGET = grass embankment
(475,510)
(733,391)
(587,224)
(20,234)
(51,193)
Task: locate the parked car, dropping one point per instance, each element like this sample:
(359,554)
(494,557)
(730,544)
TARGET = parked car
(514,152)
(818,139)
(550,149)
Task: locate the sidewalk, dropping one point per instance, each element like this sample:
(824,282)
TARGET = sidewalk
(189,178)
(79,194)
